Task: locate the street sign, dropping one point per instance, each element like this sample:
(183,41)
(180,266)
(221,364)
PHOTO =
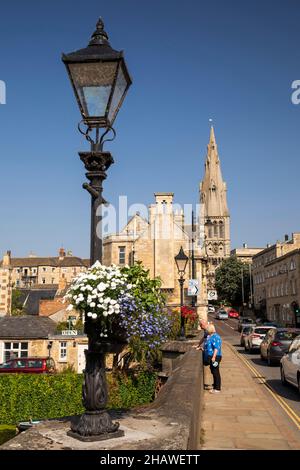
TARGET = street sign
(193,287)
(69,332)
(212,295)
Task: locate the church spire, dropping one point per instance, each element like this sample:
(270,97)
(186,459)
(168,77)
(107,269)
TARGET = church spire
(213,188)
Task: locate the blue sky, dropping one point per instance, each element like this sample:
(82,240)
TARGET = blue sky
(190,61)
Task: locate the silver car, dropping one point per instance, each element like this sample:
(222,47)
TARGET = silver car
(255,335)
(290,364)
(222,315)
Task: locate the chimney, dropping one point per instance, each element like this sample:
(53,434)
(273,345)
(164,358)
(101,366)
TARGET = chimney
(245,245)
(286,238)
(7,259)
(62,253)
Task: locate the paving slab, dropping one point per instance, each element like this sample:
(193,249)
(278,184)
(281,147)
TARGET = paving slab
(243,416)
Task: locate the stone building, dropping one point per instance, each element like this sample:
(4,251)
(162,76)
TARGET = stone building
(36,278)
(156,241)
(276,281)
(32,270)
(245,254)
(282,279)
(30,336)
(6,284)
(214,218)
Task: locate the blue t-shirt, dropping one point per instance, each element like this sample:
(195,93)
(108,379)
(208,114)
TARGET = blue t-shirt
(213,342)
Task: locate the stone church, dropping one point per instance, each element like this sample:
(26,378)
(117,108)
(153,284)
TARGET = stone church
(156,241)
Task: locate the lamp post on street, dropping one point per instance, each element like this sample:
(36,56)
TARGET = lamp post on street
(181,261)
(100,81)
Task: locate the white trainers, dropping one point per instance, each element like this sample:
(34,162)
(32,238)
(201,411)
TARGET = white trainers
(214,391)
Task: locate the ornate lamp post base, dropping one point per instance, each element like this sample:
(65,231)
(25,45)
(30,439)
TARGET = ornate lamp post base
(98,424)
(95,424)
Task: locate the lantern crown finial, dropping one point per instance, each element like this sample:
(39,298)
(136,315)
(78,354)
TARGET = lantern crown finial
(99,36)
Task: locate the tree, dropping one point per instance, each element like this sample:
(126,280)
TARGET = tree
(232,277)
(17,308)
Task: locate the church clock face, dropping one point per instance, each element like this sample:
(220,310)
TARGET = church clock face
(215,248)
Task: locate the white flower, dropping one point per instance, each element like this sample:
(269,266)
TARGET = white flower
(97,264)
(113,302)
(107,300)
(83,289)
(105,314)
(102,286)
(92,304)
(69,308)
(129,286)
(94,316)
(89,314)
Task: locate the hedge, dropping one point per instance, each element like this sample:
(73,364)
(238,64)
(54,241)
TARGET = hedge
(25,396)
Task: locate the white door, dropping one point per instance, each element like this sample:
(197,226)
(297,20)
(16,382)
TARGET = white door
(81,357)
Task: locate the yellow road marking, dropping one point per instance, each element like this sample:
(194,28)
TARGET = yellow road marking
(289,411)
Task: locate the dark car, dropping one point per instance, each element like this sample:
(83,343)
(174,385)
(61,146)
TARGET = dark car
(28,365)
(245,332)
(245,321)
(276,343)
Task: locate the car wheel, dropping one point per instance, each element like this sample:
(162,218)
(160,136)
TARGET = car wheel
(283,379)
(299,383)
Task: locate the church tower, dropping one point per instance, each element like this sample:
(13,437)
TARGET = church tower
(214,220)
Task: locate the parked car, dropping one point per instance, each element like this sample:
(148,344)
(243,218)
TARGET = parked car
(232,313)
(290,365)
(222,315)
(271,323)
(245,331)
(29,365)
(255,336)
(276,343)
(245,321)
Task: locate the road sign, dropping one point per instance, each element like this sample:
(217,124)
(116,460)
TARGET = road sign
(212,295)
(193,287)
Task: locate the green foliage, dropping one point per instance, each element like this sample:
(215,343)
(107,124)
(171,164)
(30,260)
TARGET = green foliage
(230,276)
(128,390)
(37,396)
(150,312)
(17,308)
(147,290)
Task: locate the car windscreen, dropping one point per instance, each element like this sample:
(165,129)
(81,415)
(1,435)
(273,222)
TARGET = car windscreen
(247,329)
(247,320)
(286,335)
(261,331)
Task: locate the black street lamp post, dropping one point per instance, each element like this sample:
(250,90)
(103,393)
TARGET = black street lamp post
(181,261)
(100,81)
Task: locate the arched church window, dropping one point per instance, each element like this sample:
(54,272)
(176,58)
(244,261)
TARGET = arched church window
(222,231)
(216,229)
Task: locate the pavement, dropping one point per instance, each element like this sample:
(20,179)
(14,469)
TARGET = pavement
(244,416)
